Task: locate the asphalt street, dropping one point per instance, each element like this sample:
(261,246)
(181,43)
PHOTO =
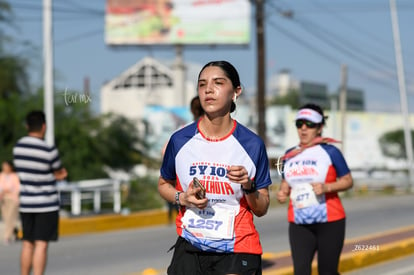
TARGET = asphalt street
(133,251)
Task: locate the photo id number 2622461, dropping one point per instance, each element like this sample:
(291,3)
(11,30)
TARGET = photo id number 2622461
(365,247)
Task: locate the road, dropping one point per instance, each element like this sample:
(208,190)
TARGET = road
(132,251)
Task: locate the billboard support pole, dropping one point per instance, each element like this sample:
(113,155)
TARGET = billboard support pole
(261,70)
(179,76)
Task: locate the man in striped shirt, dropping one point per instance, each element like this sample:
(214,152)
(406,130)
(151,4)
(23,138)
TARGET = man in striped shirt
(38,166)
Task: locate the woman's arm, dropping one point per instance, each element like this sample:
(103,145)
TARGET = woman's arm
(16,185)
(342,184)
(258,200)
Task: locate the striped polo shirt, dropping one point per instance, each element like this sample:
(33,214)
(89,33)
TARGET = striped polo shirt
(35,161)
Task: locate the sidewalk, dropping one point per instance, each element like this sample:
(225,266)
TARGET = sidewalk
(357,253)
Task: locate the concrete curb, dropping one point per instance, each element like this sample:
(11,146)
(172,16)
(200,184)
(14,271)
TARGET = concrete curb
(355,260)
(112,222)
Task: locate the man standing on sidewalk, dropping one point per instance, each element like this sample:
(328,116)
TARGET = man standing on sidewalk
(38,166)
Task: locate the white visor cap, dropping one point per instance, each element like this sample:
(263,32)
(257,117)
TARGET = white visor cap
(310,115)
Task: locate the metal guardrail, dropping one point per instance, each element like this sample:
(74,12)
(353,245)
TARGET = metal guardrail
(91,189)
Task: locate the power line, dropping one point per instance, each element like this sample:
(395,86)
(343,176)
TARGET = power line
(379,40)
(82,13)
(350,50)
(82,7)
(39,7)
(344,47)
(339,44)
(357,7)
(328,57)
(304,43)
(77,37)
(351,24)
(56,19)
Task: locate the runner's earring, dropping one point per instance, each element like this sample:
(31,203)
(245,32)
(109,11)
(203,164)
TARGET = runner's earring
(235,98)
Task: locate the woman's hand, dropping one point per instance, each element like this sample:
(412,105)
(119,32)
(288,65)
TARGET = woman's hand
(283,192)
(167,190)
(189,198)
(238,174)
(318,188)
(281,196)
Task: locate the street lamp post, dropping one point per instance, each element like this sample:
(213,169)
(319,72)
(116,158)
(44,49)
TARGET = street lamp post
(48,71)
(403,95)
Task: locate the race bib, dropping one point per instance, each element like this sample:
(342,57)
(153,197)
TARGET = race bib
(302,196)
(209,223)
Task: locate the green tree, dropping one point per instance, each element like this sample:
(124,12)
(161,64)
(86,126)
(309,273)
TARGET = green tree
(89,143)
(393,144)
(291,99)
(5,12)
(74,127)
(120,136)
(12,120)
(13,74)
(143,194)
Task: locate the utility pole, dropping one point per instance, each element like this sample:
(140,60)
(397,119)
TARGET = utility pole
(403,95)
(48,72)
(179,77)
(342,104)
(261,70)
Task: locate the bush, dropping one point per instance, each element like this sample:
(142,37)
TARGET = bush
(143,194)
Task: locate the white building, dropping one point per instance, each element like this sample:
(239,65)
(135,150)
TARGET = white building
(148,82)
(155,95)
(281,83)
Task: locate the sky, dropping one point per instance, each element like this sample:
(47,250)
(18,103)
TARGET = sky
(313,43)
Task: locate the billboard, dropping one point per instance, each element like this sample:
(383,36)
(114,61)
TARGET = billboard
(168,22)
